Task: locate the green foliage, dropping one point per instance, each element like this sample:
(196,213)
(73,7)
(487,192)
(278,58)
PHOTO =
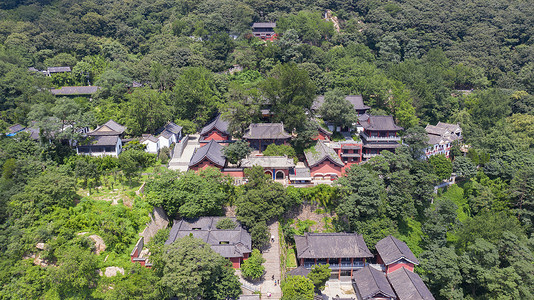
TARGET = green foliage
(280,150)
(181,277)
(259,202)
(442,166)
(297,287)
(225,223)
(309,26)
(252,267)
(290,92)
(338,110)
(147,111)
(319,275)
(235,152)
(195,95)
(188,194)
(464,167)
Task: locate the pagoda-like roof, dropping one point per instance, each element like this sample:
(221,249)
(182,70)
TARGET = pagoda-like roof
(331,245)
(211,151)
(408,285)
(321,152)
(266,131)
(218,123)
(380,123)
(392,249)
(109,128)
(372,283)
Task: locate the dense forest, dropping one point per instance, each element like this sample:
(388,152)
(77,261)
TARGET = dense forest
(470,62)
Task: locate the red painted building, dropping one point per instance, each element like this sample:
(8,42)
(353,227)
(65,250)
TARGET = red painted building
(264,31)
(324,162)
(395,254)
(330,161)
(216,130)
(379,134)
(322,134)
(209,155)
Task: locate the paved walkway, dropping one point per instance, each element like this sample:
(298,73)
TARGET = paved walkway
(272,268)
(181,163)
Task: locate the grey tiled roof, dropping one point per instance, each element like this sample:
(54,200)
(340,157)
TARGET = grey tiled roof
(264,25)
(58,69)
(169,129)
(101,140)
(443,133)
(266,131)
(218,123)
(109,128)
(392,249)
(299,271)
(320,153)
(331,245)
(228,243)
(149,137)
(408,285)
(212,151)
(75,90)
(380,123)
(355,100)
(268,162)
(370,283)
(34,133)
(15,128)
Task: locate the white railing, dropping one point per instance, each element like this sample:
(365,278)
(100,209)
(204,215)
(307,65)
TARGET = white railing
(366,155)
(380,138)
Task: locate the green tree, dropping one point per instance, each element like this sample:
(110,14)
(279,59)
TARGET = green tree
(417,139)
(296,288)
(442,166)
(52,187)
(464,167)
(225,223)
(280,150)
(338,110)
(291,93)
(241,110)
(147,111)
(190,194)
(441,271)
(113,84)
(389,49)
(261,200)
(192,270)
(195,95)
(361,192)
(319,275)
(76,273)
(235,152)
(522,193)
(252,267)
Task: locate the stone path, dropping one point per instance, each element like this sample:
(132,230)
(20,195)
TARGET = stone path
(181,163)
(272,266)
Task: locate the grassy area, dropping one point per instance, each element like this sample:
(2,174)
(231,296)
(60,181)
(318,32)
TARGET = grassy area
(411,234)
(291,259)
(456,194)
